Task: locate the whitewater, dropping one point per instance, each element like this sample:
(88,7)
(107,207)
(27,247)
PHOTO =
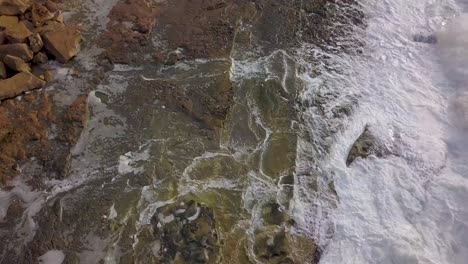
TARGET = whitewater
(410,206)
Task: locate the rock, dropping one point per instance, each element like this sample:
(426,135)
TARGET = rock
(28,24)
(40,14)
(13,7)
(51,26)
(49,76)
(3,73)
(365,146)
(20,50)
(17,33)
(35,42)
(63,44)
(40,58)
(59,17)
(18,84)
(16,64)
(2,37)
(52,6)
(8,21)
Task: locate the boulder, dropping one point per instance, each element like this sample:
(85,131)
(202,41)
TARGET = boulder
(63,44)
(51,26)
(16,64)
(20,50)
(40,58)
(3,73)
(27,24)
(13,7)
(35,42)
(8,21)
(18,84)
(40,14)
(366,145)
(17,33)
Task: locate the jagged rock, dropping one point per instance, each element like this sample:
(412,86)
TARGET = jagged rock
(63,44)
(8,21)
(20,50)
(35,42)
(3,73)
(51,26)
(40,58)
(2,37)
(13,7)
(16,64)
(28,24)
(365,146)
(15,31)
(18,33)
(52,6)
(18,84)
(40,14)
(49,76)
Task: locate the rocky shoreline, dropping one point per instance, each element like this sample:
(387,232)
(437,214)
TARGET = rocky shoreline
(192,125)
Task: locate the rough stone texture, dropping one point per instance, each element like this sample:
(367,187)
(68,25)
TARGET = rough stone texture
(365,146)
(40,14)
(16,64)
(130,25)
(63,44)
(15,32)
(3,73)
(18,84)
(35,42)
(40,58)
(13,7)
(20,50)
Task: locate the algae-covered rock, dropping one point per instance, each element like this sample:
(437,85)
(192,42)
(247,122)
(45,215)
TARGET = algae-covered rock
(187,233)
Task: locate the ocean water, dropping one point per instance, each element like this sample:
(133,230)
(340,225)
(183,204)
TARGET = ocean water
(410,206)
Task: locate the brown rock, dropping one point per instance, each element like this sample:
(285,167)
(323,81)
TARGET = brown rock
(2,37)
(15,31)
(51,26)
(20,50)
(59,17)
(18,84)
(52,6)
(35,42)
(49,76)
(16,64)
(63,44)
(3,73)
(27,24)
(8,21)
(40,58)
(40,14)
(13,7)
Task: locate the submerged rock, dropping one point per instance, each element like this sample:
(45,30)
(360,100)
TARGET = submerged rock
(187,233)
(364,146)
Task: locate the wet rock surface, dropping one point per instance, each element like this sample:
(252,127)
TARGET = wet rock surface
(367,144)
(156,150)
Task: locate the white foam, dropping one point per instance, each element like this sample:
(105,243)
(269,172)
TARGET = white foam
(52,257)
(409,208)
